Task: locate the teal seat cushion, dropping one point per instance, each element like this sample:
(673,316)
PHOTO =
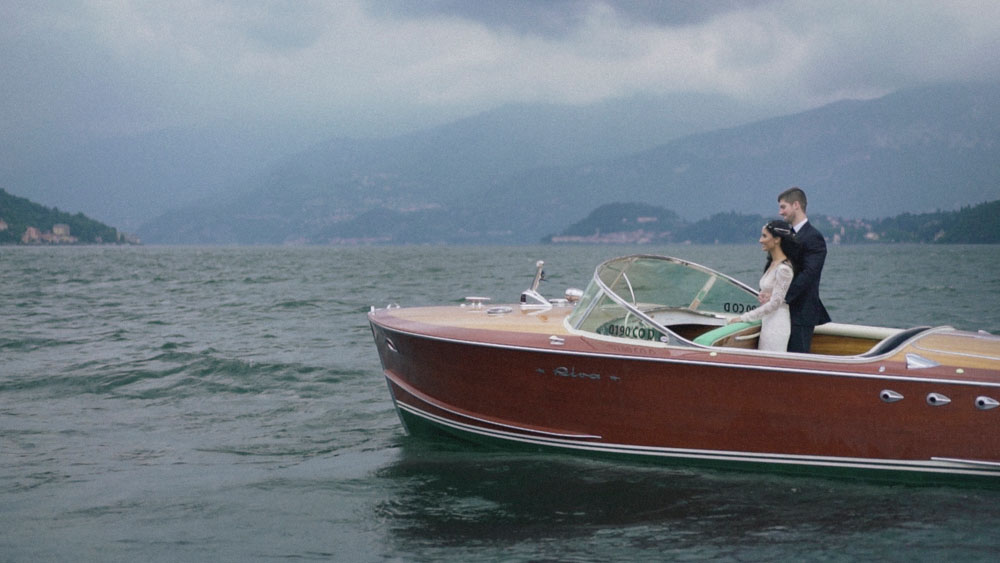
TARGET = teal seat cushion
(715,335)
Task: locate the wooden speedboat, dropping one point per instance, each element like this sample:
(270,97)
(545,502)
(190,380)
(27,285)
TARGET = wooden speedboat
(642,363)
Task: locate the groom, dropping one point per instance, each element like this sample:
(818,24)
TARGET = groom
(802,297)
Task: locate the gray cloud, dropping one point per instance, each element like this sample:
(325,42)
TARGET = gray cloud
(79,68)
(559,17)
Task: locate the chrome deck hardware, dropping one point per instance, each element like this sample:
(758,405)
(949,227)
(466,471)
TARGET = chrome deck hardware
(985,403)
(937,399)
(916,361)
(890,396)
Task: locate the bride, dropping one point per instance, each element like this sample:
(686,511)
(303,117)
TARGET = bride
(776,238)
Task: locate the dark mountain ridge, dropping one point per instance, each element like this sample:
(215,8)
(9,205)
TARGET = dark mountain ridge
(635,223)
(913,151)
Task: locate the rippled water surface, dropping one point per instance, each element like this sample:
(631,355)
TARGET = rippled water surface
(227,404)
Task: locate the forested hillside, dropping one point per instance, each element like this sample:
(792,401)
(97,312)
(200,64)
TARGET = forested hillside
(19,214)
(633,223)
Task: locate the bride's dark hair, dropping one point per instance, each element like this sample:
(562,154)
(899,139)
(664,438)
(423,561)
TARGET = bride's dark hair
(783,231)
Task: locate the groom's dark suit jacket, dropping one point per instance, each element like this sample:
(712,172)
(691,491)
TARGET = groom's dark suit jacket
(803,295)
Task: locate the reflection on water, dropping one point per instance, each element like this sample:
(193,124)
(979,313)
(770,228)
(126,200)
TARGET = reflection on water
(453,494)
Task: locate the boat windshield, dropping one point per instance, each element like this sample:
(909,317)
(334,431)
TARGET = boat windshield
(653,297)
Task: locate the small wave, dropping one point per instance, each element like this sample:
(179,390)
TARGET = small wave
(263,280)
(171,371)
(30,344)
(295,304)
(33,481)
(266,450)
(175,372)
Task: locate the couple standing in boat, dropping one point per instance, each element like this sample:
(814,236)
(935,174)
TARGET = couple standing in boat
(789,289)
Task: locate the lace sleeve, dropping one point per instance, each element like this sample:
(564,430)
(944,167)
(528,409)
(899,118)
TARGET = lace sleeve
(782,279)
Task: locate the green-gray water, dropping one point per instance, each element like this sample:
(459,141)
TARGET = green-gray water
(227,404)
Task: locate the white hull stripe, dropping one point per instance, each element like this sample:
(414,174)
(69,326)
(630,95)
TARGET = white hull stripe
(934,465)
(393,380)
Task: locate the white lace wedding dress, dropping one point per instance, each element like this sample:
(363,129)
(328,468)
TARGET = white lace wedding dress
(776,323)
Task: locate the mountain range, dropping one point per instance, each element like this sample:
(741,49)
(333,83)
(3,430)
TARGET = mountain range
(477,182)
(519,173)
(127,180)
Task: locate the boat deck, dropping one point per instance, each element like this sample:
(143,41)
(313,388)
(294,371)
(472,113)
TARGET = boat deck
(507,318)
(959,350)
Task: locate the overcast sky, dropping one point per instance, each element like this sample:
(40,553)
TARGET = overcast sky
(70,69)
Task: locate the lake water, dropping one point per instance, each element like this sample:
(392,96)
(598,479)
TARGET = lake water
(227,404)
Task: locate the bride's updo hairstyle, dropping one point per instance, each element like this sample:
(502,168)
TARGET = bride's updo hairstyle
(782,230)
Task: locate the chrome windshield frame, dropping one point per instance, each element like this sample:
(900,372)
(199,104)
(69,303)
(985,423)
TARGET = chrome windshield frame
(672,338)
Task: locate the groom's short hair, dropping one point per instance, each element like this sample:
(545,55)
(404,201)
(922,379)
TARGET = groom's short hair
(792,195)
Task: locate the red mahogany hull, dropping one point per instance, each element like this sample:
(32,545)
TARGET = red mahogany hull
(544,386)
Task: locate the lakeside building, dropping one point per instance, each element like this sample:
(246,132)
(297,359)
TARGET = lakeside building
(60,234)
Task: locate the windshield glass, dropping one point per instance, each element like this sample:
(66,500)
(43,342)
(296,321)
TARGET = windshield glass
(641,297)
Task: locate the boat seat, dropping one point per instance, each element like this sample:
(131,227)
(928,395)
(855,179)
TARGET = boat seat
(730,335)
(894,341)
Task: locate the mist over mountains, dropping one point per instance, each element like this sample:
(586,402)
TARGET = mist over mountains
(913,151)
(127,181)
(519,173)
(483,180)
(320,194)
(130,180)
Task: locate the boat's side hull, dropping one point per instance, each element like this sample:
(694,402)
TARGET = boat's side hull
(682,408)
(422,424)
